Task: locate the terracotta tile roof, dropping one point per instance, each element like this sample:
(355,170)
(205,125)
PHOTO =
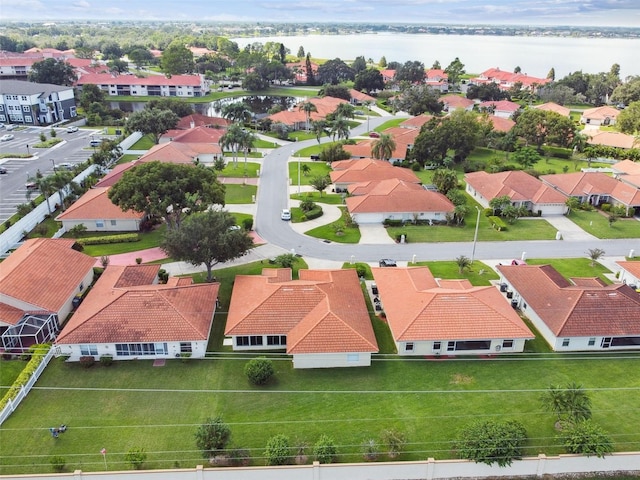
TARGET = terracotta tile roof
(416,122)
(358,163)
(199,120)
(601,113)
(500,106)
(628,167)
(324,107)
(10,315)
(394,196)
(44,272)
(142,313)
(456,101)
(199,134)
(554,107)
(171,152)
(322,312)
(138,275)
(588,282)
(95,204)
(383,187)
(505,78)
(436,74)
(581,183)
(151,80)
(610,139)
(360,96)
(366,172)
(632,267)
(518,185)
(575,311)
(419,309)
(501,124)
(115,174)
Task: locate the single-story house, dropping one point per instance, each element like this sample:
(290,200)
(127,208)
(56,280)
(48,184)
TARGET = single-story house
(321,319)
(366,170)
(505,79)
(595,188)
(576,315)
(179,152)
(115,174)
(128,315)
(628,172)
(501,124)
(502,108)
(630,273)
(429,316)
(600,116)
(153,85)
(404,139)
(199,120)
(388,75)
(40,280)
(610,139)
(98,213)
(456,102)
(554,107)
(437,79)
(297,119)
(199,134)
(523,189)
(416,122)
(361,98)
(393,199)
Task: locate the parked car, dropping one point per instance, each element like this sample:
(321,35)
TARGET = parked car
(6,137)
(3,170)
(286,214)
(65,166)
(387,262)
(31,186)
(10,127)
(95,143)
(72,129)
(374,134)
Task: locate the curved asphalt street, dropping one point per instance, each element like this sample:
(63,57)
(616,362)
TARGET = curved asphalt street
(273,195)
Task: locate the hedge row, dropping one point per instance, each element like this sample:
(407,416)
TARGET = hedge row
(497,223)
(125,238)
(315,212)
(37,354)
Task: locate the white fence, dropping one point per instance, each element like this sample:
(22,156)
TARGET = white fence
(431,469)
(13,403)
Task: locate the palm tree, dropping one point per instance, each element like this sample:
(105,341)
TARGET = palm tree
(383,147)
(305,169)
(61,181)
(45,185)
(231,139)
(571,404)
(237,112)
(595,254)
(340,127)
(345,110)
(247,140)
(319,127)
(307,108)
(463,262)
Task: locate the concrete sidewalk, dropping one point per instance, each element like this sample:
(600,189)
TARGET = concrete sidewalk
(568,229)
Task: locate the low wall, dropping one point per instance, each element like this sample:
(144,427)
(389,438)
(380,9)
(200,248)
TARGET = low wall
(425,470)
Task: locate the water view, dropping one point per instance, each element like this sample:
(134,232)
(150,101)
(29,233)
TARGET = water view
(534,55)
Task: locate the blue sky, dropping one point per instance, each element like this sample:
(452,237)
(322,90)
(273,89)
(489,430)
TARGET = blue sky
(528,12)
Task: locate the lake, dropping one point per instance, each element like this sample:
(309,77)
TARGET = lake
(534,55)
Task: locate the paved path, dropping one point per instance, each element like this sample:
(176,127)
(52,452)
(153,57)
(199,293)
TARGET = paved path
(375,233)
(568,229)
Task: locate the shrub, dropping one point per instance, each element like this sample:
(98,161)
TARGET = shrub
(492,442)
(106,360)
(587,438)
(212,436)
(557,152)
(370,450)
(416,167)
(392,223)
(394,441)
(325,450)
(136,457)
(497,223)
(43,137)
(124,238)
(488,212)
(259,370)
(87,361)
(247,224)
(38,352)
(138,260)
(307,205)
(184,357)
(58,463)
(361,270)
(315,213)
(606,207)
(163,275)
(278,451)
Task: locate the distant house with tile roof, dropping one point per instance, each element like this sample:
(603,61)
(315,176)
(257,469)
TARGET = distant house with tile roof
(630,273)
(393,199)
(179,152)
(360,98)
(199,120)
(604,115)
(367,170)
(502,108)
(501,124)
(129,315)
(523,189)
(429,316)
(97,213)
(456,102)
(321,319)
(388,75)
(555,108)
(404,139)
(115,174)
(416,122)
(297,119)
(437,79)
(153,85)
(628,172)
(195,135)
(42,278)
(594,188)
(505,80)
(576,315)
(611,139)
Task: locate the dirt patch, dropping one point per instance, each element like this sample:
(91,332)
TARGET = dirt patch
(460,379)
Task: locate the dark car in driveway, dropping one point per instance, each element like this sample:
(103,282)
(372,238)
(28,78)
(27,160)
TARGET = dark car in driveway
(387,262)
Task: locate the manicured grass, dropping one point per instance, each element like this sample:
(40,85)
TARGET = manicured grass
(390,124)
(312,150)
(49,223)
(47,144)
(597,224)
(147,240)
(533,229)
(330,231)
(298,216)
(367,276)
(450,270)
(215,95)
(127,157)
(316,169)
(145,143)
(260,143)
(159,409)
(240,217)
(574,267)
(229,155)
(239,193)
(240,170)
(9,371)
(328,198)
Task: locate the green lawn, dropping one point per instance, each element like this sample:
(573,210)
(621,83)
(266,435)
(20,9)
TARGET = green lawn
(479,274)
(127,157)
(336,231)
(240,169)
(597,224)
(329,198)
(313,150)
(390,124)
(316,169)
(9,371)
(259,143)
(215,95)
(145,143)
(573,267)
(147,240)
(239,193)
(534,229)
(133,404)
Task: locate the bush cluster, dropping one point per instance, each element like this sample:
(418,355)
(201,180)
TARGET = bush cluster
(37,354)
(124,238)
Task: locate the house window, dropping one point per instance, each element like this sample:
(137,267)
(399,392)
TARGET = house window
(25,108)
(276,339)
(437,346)
(114,223)
(353,357)
(88,350)
(565,342)
(592,341)
(28,119)
(1,108)
(524,306)
(242,341)
(255,340)
(81,287)
(408,347)
(507,344)
(185,347)
(451,346)
(72,111)
(99,223)
(136,349)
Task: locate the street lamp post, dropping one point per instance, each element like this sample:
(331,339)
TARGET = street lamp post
(53,162)
(298,175)
(475,235)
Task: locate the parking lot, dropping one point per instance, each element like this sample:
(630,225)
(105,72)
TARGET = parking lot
(75,148)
